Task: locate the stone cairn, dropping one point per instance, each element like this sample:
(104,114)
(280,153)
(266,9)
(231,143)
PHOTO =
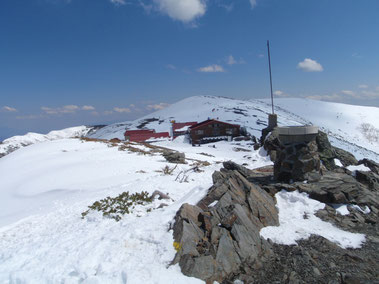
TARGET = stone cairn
(297,159)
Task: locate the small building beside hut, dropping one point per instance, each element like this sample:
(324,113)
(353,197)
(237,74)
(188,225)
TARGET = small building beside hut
(141,135)
(212,130)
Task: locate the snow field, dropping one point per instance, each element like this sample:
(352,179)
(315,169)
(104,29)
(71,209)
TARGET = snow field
(48,185)
(298,221)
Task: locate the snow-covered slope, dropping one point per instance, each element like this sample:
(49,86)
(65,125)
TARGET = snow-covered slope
(343,123)
(45,187)
(13,143)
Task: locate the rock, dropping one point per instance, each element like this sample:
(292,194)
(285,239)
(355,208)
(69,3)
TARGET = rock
(345,157)
(371,179)
(231,166)
(226,234)
(326,151)
(160,194)
(174,157)
(271,143)
(373,166)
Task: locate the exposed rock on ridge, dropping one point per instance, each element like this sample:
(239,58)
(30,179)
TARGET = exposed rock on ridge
(216,239)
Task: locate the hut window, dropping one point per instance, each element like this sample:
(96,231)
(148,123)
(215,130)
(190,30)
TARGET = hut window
(199,132)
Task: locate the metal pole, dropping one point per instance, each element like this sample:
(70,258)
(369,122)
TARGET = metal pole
(269,68)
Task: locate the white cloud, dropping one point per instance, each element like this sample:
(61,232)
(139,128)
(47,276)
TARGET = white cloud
(278,93)
(310,65)
(333,97)
(211,69)
(170,66)
(253,3)
(348,92)
(363,86)
(228,8)
(118,2)
(146,7)
(122,109)
(88,108)
(157,106)
(61,110)
(182,10)
(9,109)
(230,60)
(370,94)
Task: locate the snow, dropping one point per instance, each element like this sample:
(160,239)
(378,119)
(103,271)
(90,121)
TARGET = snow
(338,163)
(366,210)
(184,128)
(341,209)
(45,187)
(30,138)
(298,221)
(358,168)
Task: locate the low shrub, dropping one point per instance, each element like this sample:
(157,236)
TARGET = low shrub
(116,207)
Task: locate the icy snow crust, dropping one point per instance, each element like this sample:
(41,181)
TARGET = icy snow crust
(298,221)
(340,121)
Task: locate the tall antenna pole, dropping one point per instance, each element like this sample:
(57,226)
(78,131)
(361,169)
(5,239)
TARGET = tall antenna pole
(269,68)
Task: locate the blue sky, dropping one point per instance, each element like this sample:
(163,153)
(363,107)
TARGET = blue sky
(73,62)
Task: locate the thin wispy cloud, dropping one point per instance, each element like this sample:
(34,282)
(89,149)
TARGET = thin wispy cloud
(157,106)
(118,2)
(88,108)
(211,69)
(230,60)
(171,66)
(310,65)
(348,92)
(9,109)
(122,109)
(228,7)
(363,86)
(67,109)
(253,3)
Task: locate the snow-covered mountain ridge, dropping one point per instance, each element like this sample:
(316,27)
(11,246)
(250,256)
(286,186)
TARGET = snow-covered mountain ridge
(349,127)
(13,143)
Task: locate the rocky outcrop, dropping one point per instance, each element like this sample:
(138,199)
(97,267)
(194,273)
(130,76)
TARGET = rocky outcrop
(345,157)
(174,157)
(373,166)
(326,151)
(221,232)
(218,239)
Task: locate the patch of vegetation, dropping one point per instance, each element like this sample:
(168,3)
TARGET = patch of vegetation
(206,154)
(370,132)
(116,207)
(167,170)
(239,149)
